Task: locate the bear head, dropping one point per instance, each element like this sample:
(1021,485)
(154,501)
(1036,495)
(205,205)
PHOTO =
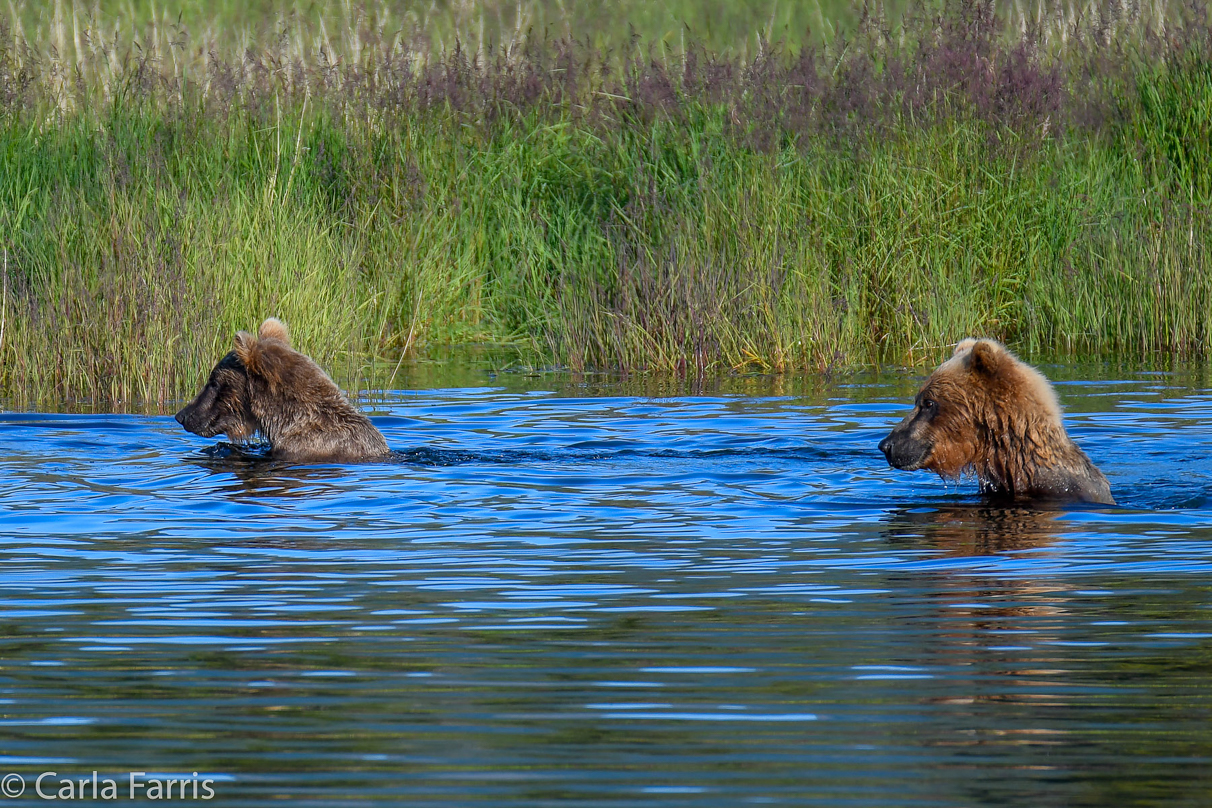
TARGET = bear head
(981,390)
(225,404)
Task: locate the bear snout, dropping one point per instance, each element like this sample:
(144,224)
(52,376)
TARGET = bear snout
(189,418)
(904,452)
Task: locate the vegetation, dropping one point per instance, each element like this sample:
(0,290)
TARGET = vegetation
(338,25)
(871,199)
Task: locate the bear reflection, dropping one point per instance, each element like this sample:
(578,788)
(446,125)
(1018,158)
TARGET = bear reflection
(973,529)
(255,475)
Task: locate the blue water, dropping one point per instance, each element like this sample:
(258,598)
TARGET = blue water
(588,592)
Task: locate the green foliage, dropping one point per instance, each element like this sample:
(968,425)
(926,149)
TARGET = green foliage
(1174,123)
(641,224)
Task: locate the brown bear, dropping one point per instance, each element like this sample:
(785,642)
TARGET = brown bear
(264,386)
(986,411)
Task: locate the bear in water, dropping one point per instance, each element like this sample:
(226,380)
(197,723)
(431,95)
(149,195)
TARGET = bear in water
(265,386)
(986,411)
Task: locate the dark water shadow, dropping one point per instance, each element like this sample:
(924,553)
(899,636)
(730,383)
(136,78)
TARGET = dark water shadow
(225,456)
(426,456)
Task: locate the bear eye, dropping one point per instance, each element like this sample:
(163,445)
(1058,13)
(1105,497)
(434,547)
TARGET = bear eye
(928,404)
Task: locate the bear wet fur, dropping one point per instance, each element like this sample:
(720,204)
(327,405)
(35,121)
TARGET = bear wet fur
(264,386)
(985,411)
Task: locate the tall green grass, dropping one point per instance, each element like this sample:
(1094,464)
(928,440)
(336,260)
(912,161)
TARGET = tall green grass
(651,215)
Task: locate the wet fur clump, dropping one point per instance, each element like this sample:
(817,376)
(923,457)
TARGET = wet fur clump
(264,387)
(986,412)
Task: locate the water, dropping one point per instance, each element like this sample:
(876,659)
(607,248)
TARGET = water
(580,592)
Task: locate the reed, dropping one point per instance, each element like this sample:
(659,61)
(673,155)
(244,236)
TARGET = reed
(1043,179)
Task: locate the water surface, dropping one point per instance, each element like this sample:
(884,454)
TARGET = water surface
(585,592)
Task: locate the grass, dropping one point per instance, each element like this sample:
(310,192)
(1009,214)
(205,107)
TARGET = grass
(871,200)
(722,25)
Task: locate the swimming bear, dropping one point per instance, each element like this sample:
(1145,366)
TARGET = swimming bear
(986,411)
(264,386)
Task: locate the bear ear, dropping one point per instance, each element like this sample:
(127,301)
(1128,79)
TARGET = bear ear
(963,346)
(273,328)
(246,346)
(985,356)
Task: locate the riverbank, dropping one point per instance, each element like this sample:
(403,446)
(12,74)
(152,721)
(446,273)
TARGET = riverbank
(873,200)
